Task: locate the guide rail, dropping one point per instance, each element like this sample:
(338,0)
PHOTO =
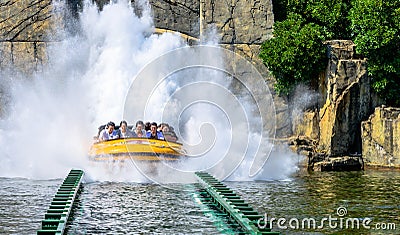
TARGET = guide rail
(232,205)
(59,212)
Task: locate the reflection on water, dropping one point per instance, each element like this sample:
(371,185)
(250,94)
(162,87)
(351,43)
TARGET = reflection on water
(111,207)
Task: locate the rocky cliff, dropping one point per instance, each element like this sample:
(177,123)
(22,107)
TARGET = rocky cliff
(335,134)
(381,138)
(347,100)
(331,132)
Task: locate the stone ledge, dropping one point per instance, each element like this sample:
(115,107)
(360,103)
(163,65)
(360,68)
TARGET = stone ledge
(380,137)
(346,163)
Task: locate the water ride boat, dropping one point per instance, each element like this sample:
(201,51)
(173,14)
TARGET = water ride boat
(138,149)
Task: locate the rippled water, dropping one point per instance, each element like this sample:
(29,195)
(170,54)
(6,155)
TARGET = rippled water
(140,208)
(23,204)
(120,208)
(368,194)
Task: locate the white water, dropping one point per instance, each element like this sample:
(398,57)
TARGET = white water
(53,115)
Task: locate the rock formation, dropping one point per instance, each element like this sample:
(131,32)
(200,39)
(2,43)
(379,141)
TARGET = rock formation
(381,138)
(347,103)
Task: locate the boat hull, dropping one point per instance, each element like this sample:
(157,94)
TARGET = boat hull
(138,149)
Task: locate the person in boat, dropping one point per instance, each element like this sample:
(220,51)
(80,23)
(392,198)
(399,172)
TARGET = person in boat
(139,130)
(124,132)
(108,133)
(153,133)
(168,134)
(161,126)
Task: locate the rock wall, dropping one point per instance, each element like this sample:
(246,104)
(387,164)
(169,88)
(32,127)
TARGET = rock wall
(178,15)
(330,135)
(347,101)
(307,125)
(239,22)
(381,138)
(26,27)
(336,134)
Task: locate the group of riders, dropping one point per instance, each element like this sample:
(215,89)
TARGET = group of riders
(148,130)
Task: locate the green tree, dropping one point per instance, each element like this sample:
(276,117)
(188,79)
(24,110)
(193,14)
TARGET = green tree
(331,15)
(295,53)
(376,32)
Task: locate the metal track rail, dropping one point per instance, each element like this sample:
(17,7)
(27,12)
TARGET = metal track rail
(231,204)
(57,216)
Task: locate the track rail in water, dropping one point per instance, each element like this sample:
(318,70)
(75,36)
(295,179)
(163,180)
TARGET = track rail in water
(57,216)
(232,205)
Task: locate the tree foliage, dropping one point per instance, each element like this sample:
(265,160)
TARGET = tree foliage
(329,14)
(376,32)
(294,43)
(295,53)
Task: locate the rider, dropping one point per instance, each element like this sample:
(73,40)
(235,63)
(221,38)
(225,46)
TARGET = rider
(124,132)
(109,133)
(153,133)
(139,130)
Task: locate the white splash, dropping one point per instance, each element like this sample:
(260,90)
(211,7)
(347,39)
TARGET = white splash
(53,115)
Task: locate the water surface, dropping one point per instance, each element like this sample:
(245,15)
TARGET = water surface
(121,208)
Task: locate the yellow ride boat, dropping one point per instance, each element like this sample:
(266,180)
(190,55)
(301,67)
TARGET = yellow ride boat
(138,149)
